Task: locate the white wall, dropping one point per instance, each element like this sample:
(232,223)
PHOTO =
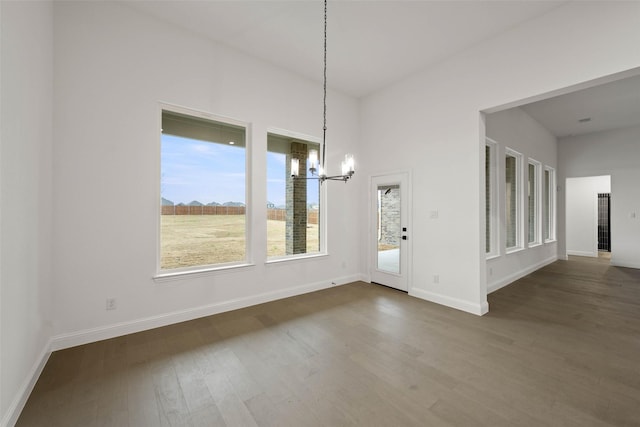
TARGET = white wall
(25,196)
(582,213)
(515,129)
(113,66)
(615,153)
(429,123)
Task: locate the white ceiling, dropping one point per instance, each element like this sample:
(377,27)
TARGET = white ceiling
(372,44)
(608,106)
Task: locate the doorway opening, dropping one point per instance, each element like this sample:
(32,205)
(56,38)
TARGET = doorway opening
(588,213)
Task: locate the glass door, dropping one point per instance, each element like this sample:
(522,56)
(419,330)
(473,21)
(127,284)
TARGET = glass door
(389,230)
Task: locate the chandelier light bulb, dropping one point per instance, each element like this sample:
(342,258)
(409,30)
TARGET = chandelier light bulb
(295,167)
(313,160)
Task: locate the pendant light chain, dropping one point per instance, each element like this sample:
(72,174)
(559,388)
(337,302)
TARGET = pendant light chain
(324,127)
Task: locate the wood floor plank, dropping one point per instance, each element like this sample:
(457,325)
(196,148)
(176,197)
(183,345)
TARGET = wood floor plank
(558,347)
(232,408)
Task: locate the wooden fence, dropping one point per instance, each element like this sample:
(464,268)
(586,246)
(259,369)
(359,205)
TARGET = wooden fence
(272,214)
(203,210)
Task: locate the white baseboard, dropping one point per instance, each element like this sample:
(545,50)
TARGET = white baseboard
(364,278)
(86,336)
(582,253)
(469,307)
(494,286)
(617,262)
(10,417)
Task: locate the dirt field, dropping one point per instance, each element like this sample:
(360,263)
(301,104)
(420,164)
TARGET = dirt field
(190,240)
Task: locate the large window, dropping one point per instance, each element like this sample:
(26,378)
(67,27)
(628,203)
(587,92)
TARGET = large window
(491,199)
(533,196)
(203,191)
(293,206)
(549,204)
(513,162)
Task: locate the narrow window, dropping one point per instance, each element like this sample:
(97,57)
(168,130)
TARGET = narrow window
(533,197)
(549,204)
(513,162)
(293,206)
(203,191)
(491,199)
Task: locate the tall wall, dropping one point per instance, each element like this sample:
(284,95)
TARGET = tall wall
(429,124)
(25,199)
(515,129)
(113,66)
(615,153)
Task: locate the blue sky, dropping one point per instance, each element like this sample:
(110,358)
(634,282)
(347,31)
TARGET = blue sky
(210,172)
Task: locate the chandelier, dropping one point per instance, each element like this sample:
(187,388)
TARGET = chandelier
(316,164)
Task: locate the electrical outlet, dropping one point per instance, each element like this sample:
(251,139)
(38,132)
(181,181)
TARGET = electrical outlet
(111,303)
(436,278)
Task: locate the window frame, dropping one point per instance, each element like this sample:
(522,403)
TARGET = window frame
(322,211)
(519,202)
(549,216)
(537,197)
(491,214)
(199,270)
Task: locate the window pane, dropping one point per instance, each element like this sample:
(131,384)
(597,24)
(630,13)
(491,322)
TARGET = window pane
(511,200)
(293,206)
(533,220)
(487,198)
(203,187)
(548,205)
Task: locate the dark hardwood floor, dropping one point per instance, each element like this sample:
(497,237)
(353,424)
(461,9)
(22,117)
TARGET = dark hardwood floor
(560,347)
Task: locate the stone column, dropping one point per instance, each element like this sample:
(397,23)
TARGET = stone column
(296,216)
(390,217)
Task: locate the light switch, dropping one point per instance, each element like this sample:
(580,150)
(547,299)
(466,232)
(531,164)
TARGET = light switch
(433,214)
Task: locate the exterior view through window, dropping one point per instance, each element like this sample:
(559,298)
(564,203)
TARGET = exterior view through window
(293,206)
(512,196)
(491,198)
(549,204)
(487,197)
(533,195)
(203,190)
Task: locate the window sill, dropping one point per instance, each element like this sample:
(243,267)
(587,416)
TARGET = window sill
(303,257)
(550,241)
(188,274)
(492,256)
(510,251)
(534,245)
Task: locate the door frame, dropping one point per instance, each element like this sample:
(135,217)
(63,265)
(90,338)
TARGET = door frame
(404,179)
